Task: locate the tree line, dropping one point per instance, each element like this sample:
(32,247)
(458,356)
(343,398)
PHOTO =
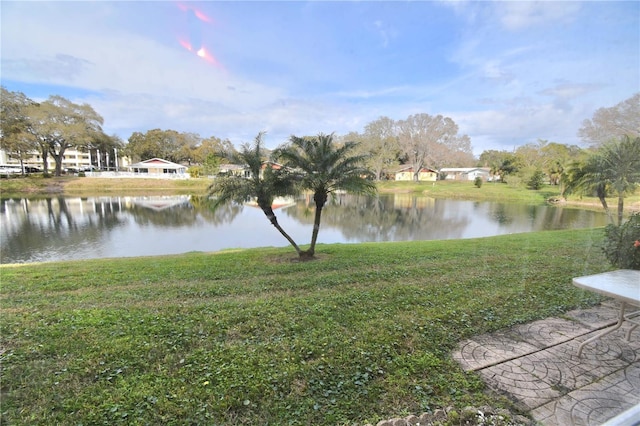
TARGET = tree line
(53,126)
(419,141)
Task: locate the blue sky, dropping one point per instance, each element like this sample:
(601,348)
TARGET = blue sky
(508,73)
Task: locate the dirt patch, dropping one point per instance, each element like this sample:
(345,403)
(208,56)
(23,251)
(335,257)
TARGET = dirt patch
(54,187)
(294,258)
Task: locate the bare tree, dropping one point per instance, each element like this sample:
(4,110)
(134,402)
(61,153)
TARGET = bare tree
(615,122)
(380,141)
(427,141)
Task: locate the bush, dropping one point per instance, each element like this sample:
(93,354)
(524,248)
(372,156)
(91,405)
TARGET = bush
(622,243)
(536,181)
(478,182)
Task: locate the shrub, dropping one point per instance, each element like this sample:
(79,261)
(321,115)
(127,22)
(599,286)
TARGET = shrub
(622,243)
(536,181)
(478,182)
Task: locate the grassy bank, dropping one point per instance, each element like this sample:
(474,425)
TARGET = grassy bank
(83,186)
(251,337)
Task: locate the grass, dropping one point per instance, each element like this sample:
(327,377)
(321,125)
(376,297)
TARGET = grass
(252,337)
(84,186)
(495,191)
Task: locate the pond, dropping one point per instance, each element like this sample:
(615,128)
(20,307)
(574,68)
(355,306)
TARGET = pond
(64,228)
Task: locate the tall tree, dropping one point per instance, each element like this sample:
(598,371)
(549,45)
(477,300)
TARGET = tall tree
(166,144)
(263,184)
(212,151)
(510,166)
(423,138)
(323,168)
(16,132)
(615,122)
(556,157)
(381,145)
(60,124)
(106,149)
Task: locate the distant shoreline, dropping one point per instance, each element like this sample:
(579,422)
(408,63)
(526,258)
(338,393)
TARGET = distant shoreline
(94,186)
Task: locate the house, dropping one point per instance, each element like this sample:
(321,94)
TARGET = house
(464,173)
(157,167)
(425,174)
(243,171)
(232,170)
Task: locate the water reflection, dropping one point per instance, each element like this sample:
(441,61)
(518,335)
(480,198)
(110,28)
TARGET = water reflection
(60,228)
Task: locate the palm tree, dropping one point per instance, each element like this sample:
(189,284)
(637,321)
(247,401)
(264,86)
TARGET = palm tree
(613,168)
(263,185)
(621,163)
(586,178)
(324,168)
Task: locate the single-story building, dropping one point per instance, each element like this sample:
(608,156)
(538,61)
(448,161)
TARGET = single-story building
(243,170)
(233,170)
(157,167)
(464,173)
(425,174)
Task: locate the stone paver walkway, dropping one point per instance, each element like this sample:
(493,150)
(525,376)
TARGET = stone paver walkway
(536,365)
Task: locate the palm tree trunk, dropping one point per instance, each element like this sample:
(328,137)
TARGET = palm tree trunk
(620,209)
(274,221)
(603,201)
(320,198)
(316,229)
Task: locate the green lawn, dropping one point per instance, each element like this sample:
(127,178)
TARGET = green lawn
(252,337)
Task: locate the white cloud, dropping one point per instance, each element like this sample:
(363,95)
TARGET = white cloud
(518,121)
(512,74)
(520,15)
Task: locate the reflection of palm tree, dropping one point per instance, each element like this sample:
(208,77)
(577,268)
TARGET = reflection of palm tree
(218,215)
(382,218)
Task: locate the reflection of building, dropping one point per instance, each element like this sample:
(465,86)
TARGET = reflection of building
(465,173)
(407,201)
(425,174)
(159,203)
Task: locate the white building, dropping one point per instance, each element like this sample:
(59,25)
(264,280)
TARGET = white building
(465,173)
(73,160)
(158,166)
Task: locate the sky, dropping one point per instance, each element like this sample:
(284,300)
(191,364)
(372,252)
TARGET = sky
(507,72)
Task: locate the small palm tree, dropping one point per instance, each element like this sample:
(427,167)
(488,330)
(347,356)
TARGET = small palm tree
(263,185)
(621,165)
(323,168)
(586,178)
(613,168)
